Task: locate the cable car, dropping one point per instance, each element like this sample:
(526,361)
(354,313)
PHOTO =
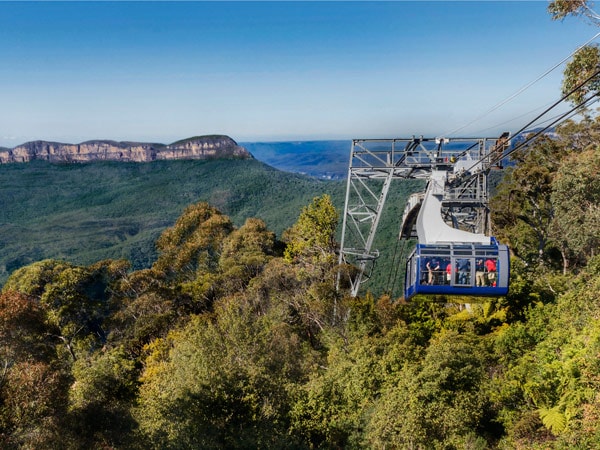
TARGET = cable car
(458,269)
(450,219)
(451,261)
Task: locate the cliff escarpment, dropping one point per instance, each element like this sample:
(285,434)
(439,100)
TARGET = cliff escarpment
(199,147)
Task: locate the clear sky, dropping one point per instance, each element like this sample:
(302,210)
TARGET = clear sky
(267,71)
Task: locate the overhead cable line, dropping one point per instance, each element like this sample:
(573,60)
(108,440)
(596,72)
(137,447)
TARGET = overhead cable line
(554,105)
(593,98)
(533,136)
(495,127)
(503,102)
(391,282)
(593,15)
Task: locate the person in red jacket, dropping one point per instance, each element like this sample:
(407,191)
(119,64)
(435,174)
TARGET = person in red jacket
(490,267)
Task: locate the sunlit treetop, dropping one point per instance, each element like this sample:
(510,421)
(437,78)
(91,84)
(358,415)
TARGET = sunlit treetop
(581,74)
(559,9)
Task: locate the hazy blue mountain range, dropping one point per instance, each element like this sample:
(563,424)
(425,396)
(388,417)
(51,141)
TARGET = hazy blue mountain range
(321,159)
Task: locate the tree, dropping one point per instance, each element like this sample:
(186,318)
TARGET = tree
(541,203)
(585,64)
(33,399)
(311,250)
(101,397)
(75,299)
(224,380)
(33,386)
(192,247)
(77,304)
(578,136)
(582,74)
(559,9)
(23,330)
(337,403)
(576,196)
(245,253)
(31,280)
(522,210)
(439,401)
(546,388)
(146,308)
(311,240)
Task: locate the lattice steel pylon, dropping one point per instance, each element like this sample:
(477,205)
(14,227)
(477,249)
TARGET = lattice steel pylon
(376,163)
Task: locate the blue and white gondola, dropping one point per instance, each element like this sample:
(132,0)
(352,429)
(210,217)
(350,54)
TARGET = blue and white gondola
(450,261)
(453,269)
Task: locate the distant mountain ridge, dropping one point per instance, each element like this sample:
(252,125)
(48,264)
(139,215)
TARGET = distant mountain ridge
(321,159)
(198,147)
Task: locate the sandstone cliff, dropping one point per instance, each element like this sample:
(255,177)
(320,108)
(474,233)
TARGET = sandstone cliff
(200,147)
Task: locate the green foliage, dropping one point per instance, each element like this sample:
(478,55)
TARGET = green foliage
(244,254)
(336,404)
(576,194)
(76,305)
(251,245)
(104,378)
(31,280)
(552,362)
(562,8)
(192,247)
(225,383)
(311,240)
(73,298)
(439,402)
(546,208)
(104,387)
(521,210)
(553,419)
(580,75)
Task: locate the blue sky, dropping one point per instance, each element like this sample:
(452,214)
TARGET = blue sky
(267,71)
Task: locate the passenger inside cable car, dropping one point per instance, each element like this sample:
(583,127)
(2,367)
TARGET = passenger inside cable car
(458,269)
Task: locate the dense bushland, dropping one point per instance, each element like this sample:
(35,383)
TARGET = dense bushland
(83,213)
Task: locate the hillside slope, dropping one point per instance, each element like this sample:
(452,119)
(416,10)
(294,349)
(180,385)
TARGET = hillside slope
(87,212)
(84,213)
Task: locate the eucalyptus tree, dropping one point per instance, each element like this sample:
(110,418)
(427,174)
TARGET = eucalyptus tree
(582,73)
(33,383)
(576,196)
(522,210)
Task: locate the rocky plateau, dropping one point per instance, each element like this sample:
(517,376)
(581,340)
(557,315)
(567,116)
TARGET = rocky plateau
(199,147)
